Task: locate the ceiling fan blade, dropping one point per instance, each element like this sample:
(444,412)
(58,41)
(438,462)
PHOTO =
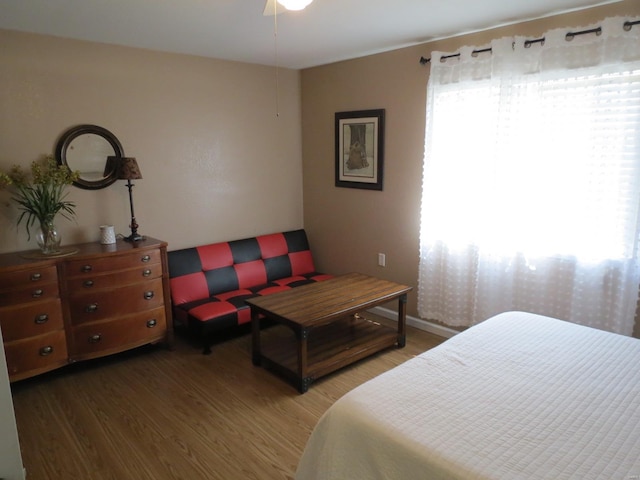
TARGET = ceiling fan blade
(272,7)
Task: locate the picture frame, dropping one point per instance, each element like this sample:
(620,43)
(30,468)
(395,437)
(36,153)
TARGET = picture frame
(359,149)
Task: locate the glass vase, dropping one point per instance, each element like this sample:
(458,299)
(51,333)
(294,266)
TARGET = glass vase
(48,238)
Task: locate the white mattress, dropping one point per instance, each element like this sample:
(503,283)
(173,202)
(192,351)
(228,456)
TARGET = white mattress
(519,396)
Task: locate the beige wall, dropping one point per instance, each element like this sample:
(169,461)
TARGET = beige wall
(348,227)
(217,162)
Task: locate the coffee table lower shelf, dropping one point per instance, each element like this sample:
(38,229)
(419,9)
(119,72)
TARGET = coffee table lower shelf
(328,348)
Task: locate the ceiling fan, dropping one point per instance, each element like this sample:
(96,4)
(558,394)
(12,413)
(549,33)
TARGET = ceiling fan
(275,7)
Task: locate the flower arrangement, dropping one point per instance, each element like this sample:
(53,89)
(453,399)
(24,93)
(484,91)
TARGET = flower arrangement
(41,196)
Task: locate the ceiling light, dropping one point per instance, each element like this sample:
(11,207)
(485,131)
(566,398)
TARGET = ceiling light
(294,4)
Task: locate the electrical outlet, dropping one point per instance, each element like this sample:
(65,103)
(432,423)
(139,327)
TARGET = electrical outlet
(382,260)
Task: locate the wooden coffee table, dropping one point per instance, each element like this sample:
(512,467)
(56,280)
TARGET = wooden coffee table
(323,326)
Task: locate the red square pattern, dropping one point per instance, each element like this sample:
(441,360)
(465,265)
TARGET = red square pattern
(244,316)
(216,255)
(188,288)
(321,277)
(251,274)
(301,262)
(274,289)
(235,293)
(288,280)
(273,245)
(212,310)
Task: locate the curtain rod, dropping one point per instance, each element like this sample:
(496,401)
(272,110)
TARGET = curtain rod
(626,26)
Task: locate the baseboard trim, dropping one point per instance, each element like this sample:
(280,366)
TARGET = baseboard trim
(418,323)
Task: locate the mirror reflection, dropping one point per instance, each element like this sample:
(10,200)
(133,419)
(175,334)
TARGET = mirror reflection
(87,154)
(86,148)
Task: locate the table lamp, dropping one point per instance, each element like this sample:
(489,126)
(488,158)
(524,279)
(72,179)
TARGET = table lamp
(128,170)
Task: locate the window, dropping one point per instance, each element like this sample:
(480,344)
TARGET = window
(531,188)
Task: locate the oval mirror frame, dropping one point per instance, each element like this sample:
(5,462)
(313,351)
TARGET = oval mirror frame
(85,148)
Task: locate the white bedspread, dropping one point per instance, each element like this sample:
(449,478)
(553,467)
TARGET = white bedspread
(519,396)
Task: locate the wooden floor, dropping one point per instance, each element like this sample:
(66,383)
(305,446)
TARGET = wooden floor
(157,414)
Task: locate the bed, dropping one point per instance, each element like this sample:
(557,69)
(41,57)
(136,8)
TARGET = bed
(519,396)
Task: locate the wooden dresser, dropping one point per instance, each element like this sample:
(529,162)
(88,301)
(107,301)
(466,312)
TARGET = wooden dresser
(100,300)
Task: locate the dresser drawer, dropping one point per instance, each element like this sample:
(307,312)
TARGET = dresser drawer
(104,298)
(92,266)
(27,320)
(36,355)
(119,334)
(94,281)
(29,277)
(102,304)
(30,293)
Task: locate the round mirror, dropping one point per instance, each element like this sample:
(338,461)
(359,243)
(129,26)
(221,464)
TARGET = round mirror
(85,148)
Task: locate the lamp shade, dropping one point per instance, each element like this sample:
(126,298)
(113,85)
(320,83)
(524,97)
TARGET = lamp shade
(128,169)
(111,167)
(294,4)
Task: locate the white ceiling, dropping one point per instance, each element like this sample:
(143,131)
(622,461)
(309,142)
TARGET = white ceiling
(326,31)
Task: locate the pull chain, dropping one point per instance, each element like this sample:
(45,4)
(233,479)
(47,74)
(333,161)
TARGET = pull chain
(275,41)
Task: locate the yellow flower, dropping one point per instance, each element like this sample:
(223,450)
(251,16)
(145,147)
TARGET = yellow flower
(42,196)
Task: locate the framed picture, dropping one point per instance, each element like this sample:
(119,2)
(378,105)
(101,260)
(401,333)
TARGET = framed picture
(360,149)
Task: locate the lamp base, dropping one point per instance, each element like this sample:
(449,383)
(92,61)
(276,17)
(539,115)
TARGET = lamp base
(134,237)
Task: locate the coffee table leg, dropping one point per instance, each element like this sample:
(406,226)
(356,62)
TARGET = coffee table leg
(402,320)
(256,356)
(303,386)
(304,381)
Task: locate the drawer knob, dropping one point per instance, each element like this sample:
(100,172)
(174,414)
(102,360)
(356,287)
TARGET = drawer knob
(145,259)
(86,268)
(40,319)
(146,272)
(88,283)
(95,338)
(44,351)
(148,295)
(37,293)
(35,277)
(152,323)
(91,308)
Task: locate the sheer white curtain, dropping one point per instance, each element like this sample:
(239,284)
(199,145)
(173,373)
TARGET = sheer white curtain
(531,188)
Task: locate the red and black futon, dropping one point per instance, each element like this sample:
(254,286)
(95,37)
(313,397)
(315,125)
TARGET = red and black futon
(210,283)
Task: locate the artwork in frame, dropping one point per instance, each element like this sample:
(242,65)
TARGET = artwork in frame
(360,149)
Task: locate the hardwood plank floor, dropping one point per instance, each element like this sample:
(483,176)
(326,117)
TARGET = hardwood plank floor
(157,414)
